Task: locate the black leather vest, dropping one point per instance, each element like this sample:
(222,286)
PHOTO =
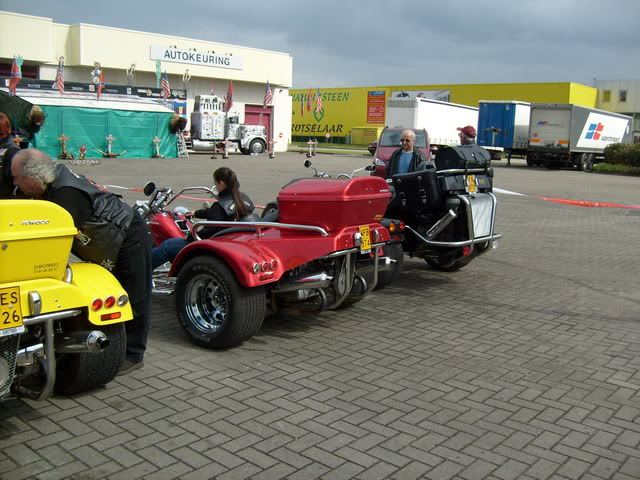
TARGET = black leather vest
(100,238)
(229,205)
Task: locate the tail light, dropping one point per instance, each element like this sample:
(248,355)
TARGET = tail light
(111,316)
(123,300)
(392,227)
(96,304)
(109,302)
(466,250)
(401,226)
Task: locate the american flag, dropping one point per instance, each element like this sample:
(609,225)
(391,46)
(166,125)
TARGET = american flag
(268,96)
(318,101)
(60,78)
(166,89)
(100,84)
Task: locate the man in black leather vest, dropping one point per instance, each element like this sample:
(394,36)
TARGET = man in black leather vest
(110,233)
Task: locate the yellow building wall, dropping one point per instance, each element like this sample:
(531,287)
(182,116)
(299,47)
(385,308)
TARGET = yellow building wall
(349,107)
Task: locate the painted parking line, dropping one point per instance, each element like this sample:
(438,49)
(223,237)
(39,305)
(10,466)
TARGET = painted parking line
(568,201)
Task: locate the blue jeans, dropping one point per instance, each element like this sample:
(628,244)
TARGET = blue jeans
(167,251)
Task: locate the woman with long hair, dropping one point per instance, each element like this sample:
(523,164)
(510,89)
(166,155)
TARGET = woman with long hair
(232,205)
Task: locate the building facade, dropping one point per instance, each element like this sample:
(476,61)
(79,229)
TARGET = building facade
(348,113)
(621,96)
(136,58)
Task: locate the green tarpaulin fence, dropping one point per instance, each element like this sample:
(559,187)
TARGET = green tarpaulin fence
(133,132)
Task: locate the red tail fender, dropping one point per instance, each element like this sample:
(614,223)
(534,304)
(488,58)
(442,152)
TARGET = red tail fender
(240,256)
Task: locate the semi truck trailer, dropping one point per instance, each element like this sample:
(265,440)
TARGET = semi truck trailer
(567,135)
(504,124)
(439,119)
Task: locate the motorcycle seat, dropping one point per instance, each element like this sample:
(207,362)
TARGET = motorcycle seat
(252,217)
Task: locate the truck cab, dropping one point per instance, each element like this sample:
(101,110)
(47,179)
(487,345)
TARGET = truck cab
(211,125)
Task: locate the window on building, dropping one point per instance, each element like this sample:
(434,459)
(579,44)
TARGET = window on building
(606,96)
(623,95)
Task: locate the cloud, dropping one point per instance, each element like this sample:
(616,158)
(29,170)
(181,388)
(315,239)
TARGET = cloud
(343,43)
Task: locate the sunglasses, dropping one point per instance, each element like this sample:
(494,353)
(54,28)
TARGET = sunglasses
(405,140)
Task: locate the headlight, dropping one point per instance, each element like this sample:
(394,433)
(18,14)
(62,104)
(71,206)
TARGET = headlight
(379,162)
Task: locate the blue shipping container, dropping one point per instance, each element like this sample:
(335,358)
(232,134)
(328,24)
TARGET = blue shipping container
(503,124)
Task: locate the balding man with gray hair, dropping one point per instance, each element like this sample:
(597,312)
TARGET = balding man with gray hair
(110,233)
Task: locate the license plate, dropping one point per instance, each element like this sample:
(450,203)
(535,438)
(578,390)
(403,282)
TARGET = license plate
(10,311)
(365,241)
(472,187)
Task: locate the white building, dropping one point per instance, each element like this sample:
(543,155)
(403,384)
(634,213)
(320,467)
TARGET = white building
(211,66)
(621,96)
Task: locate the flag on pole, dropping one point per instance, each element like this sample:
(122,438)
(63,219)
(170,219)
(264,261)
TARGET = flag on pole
(268,96)
(16,74)
(60,76)
(318,101)
(100,85)
(228,99)
(309,98)
(166,89)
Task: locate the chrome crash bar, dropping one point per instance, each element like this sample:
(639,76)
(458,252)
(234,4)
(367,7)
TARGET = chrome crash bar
(50,365)
(444,221)
(258,226)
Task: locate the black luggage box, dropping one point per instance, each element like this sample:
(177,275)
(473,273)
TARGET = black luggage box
(417,190)
(462,156)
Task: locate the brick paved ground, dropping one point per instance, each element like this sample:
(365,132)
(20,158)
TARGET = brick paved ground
(523,365)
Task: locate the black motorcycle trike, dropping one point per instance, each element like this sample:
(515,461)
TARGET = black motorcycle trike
(444,214)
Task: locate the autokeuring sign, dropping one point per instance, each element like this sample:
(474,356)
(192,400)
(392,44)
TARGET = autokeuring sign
(193,57)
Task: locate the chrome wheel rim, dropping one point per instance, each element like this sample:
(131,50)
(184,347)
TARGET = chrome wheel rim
(207,304)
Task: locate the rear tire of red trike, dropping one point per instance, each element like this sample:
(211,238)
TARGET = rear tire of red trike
(214,310)
(393,250)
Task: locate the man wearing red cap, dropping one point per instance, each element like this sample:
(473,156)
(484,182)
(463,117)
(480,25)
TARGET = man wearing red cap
(467,135)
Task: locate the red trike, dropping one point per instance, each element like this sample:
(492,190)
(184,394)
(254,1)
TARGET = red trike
(312,253)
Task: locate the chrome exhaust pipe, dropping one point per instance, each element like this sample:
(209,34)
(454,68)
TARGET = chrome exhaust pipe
(81,342)
(27,356)
(317,281)
(441,224)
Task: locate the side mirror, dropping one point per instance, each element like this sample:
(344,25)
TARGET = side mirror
(370,168)
(149,188)
(307,163)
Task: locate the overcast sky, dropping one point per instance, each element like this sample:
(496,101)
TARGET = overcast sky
(395,42)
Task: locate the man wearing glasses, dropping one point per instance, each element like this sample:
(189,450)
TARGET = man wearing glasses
(406,159)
